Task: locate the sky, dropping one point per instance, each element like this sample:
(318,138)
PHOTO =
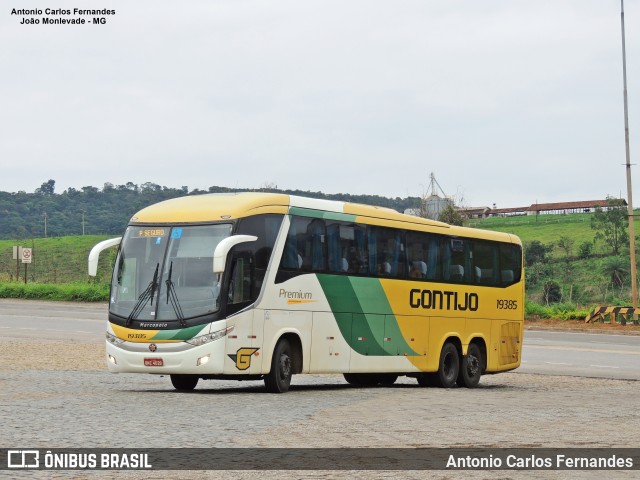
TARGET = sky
(507,102)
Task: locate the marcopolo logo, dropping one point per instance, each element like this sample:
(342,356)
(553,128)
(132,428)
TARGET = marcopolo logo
(23,459)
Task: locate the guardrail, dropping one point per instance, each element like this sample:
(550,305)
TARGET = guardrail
(624,314)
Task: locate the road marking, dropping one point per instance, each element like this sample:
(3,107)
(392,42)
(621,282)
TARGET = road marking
(587,333)
(558,363)
(576,349)
(603,366)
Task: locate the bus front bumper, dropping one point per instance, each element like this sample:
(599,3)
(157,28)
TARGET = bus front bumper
(166,358)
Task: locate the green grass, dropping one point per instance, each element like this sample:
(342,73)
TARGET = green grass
(56,260)
(545,228)
(80,292)
(562,311)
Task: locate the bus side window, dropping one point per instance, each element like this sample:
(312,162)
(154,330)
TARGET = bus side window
(423,255)
(304,249)
(315,246)
(386,252)
(291,259)
(485,256)
(457,256)
(239,291)
(347,251)
(266,228)
(510,264)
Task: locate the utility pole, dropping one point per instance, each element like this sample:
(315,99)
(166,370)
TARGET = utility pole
(632,235)
(45,224)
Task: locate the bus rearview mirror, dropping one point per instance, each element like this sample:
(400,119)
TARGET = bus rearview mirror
(223,248)
(94,254)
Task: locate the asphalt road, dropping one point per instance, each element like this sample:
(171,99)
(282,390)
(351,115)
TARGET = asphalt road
(52,320)
(581,354)
(545,352)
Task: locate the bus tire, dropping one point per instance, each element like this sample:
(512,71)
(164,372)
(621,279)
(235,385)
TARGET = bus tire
(362,379)
(387,379)
(352,378)
(426,379)
(471,368)
(279,378)
(184,383)
(448,367)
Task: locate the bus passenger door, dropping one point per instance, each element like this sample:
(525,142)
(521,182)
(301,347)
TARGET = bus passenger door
(330,352)
(240,347)
(243,343)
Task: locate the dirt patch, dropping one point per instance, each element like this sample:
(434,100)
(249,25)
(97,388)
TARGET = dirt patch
(51,355)
(581,326)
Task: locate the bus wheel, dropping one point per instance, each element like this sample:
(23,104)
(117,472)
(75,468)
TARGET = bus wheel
(362,379)
(353,378)
(426,379)
(471,368)
(184,383)
(449,366)
(279,378)
(387,379)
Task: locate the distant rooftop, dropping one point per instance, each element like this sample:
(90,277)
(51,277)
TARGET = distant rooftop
(583,206)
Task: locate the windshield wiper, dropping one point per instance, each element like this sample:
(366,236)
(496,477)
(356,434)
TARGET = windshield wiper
(144,297)
(171,296)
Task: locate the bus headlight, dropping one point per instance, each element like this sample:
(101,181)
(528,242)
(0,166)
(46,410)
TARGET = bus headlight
(113,339)
(209,337)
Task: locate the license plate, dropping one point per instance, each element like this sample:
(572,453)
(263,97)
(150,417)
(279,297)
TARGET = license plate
(153,362)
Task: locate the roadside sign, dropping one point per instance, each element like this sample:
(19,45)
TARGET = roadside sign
(26,255)
(17,252)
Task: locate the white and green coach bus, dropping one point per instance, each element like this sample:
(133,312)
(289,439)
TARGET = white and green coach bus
(256,286)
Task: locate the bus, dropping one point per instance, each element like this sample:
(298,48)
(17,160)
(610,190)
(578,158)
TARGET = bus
(262,286)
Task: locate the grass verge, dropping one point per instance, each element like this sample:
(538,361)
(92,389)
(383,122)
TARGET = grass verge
(73,292)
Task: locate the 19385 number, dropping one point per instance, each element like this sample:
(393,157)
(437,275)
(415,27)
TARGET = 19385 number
(507,304)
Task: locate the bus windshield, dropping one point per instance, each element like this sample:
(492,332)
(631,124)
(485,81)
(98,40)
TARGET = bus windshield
(166,273)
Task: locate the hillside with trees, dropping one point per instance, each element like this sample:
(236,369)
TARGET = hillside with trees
(106,211)
(572,260)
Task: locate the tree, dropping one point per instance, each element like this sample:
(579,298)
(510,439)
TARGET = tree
(610,224)
(585,249)
(47,188)
(451,215)
(551,292)
(536,252)
(566,244)
(616,268)
(536,273)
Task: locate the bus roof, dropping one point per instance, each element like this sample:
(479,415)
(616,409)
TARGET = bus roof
(229,206)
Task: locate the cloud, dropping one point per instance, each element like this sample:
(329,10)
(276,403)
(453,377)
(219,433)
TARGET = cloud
(507,102)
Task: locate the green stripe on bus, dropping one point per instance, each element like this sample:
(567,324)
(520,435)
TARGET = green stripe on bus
(179,334)
(308,212)
(373,298)
(352,301)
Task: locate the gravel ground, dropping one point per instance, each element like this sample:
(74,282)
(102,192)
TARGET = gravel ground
(57,394)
